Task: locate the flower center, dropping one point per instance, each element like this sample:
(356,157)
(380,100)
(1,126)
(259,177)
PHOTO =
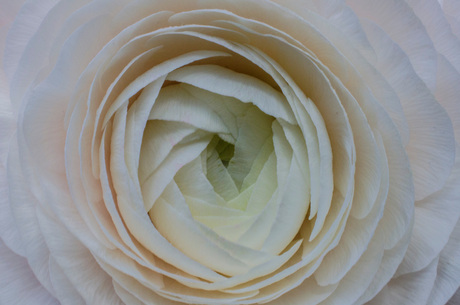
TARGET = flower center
(217,161)
(224,149)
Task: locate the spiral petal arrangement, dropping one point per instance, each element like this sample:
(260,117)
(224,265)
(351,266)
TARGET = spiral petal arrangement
(219,152)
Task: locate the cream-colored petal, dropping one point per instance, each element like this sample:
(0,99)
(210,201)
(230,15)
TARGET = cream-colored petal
(176,104)
(242,87)
(131,207)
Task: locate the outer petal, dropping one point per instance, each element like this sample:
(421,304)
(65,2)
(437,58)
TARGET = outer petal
(28,21)
(18,284)
(408,289)
(435,220)
(455,299)
(452,10)
(448,280)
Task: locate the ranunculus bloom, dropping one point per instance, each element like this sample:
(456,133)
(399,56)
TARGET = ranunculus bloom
(230,152)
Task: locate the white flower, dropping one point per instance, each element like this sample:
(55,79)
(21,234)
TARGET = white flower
(230,152)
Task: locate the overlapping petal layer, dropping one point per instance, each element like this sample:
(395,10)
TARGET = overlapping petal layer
(230,152)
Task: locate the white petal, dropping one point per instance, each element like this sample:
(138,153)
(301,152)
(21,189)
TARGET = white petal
(392,16)
(8,230)
(195,185)
(18,284)
(220,178)
(186,237)
(254,129)
(357,237)
(174,103)
(157,181)
(455,299)
(159,139)
(156,72)
(435,219)
(431,143)
(447,92)
(77,262)
(136,124)
(411,289)
(433,18)
(65,291)
(242,87)
(293,199)
(22,204)
(28,21)
(305,289)
(451,9)
(131,207)
(356,281)
(447,281)
(391,259)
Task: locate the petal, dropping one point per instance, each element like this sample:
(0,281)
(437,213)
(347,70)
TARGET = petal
(23,203)
(356,281)
(455,299)
(18,284)
(435,219)
(27,22)
(78,264)
(65,291)
(431,15)
(431,146)
(447,92)
(447,281)
(412,288)
(240,86)
(451,9)
(392,16)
